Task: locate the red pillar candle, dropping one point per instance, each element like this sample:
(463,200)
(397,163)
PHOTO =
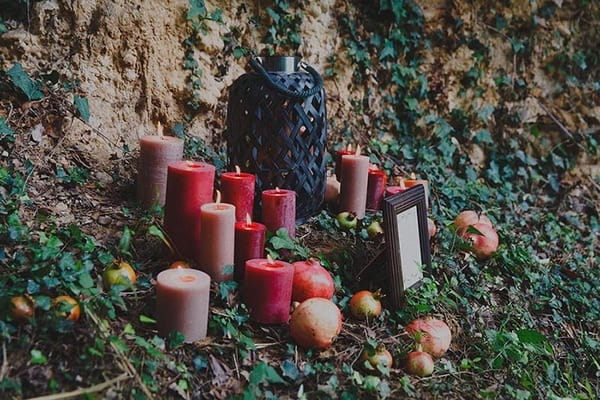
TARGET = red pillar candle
(237,188)
(182,300)
(353,189)
(414,182)
(279,210)
(249,244)
(189,186)
(268,290)
(217,240)
(376,182)
(338,160)
(156,152)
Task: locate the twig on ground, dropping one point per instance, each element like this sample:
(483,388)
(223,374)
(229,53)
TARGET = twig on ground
(4,368)
(559,124)
(79,392)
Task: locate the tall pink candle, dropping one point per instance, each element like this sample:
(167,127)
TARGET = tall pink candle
(182,300)
(237,188)
(217,240)
(156,152)
(279,210)
(268,290)
(353,190)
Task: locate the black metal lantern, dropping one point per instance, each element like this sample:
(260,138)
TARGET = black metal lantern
(277,129)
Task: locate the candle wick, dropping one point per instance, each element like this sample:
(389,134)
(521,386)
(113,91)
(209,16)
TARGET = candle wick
(357,150)
(402,183)
(270,259)
(349,147)
(159,130)
(238,170)
(277,189)
(218,200)
(413,176)
(248,219)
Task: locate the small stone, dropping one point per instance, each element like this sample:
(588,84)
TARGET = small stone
(104,178)
(104,220)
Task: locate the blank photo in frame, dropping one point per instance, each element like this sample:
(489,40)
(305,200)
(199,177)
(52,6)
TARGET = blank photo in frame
(407,240)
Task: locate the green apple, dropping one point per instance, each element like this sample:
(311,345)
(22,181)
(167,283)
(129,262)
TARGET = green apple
(347,220)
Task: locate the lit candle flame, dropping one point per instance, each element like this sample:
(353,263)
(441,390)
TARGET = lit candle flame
(238,170)
(159,130)
(413,176)
(402,183)
(218,200)
(349,147)
(248,219)
(357,153)
(277,189)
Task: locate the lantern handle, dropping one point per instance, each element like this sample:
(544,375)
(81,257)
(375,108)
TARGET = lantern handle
(302,94)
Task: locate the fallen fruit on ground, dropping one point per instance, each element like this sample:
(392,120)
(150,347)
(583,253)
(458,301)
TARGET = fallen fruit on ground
(119,273)
(469,217)
(366,304)
(374,229)
(347,220)
(179,264)
(419,363)
(315,323)
(432,334)
(62,303)
(311,280)
(377,356)
(431,228)
(483,240)
(21,308)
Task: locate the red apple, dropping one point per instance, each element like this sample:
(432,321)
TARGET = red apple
(483,244)
(469,217)
(431,227)
(311,280)
(315,323)
(432,334)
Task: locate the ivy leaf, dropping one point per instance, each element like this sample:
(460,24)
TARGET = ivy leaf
(290,370)
(83,107)
(5,130)
(21,80)
(37,357)
(147,320)
(125,241)
(264,373)
(197,8)
(530,336)
(388,51)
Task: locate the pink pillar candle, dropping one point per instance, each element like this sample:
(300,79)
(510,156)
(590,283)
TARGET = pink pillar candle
(338,161)
(268,290)
(237,188)
(156,152)
(353,189)
(182,300)
(375,187)
(279,210)
(217,240)
(189,186)
(392,190)
(249,244)
(414,182)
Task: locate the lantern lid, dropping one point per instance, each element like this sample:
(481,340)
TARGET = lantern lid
(286,64)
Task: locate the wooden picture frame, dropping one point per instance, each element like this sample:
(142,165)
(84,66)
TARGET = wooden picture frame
(407,240)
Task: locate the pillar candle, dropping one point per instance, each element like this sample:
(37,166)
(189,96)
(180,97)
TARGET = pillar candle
(392,190)
(182,299)
(414,182)
(353,189)
(249,244)
(237,188)
(189,186)
(217,240)
(338,160)
(268,290)
(156,152)
(375,187)
(279,210)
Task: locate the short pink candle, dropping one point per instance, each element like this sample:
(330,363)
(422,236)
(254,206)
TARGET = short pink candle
(249,244)
(375,188)
(353,189)
(156,152)
(237,188)
(392,190)
(182,300)
(279,210)
(217,240)
(268,290)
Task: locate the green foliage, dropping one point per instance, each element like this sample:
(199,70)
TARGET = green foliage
(83,108)
(283,29)
(21,80)
(6,133)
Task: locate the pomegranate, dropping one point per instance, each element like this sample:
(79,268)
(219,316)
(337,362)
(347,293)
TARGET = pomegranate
(482,245)
(377,356)
(315,323)
(66,307)
(432,334)
(431,228)
(365,304)
(467,218)
(21,308)
(311,280)
(419,363)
